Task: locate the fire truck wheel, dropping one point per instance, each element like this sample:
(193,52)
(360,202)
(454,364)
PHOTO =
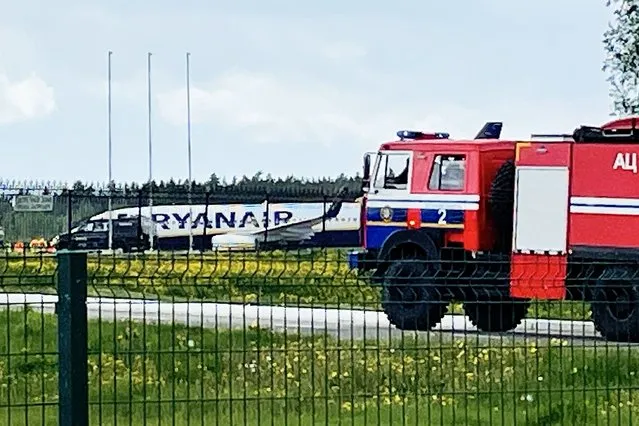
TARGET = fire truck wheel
(500,315)
(615,306)
(501,201)
(408,300)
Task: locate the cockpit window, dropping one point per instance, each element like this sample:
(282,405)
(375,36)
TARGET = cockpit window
(448,173)
(391,171)
(96,226)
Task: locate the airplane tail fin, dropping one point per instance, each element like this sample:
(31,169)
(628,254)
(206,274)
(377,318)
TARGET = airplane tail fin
(491,130)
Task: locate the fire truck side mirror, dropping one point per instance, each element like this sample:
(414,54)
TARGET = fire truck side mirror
(366,178)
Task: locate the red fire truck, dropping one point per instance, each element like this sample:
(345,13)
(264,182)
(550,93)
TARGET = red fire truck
(497,223)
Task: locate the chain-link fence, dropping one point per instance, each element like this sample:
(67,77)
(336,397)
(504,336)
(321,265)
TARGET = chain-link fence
(207,213)
(299,337)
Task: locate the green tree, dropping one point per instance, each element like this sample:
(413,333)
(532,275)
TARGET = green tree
(621,41)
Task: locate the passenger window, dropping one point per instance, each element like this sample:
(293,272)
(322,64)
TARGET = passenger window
(448,173)
(392,171)
(102,225)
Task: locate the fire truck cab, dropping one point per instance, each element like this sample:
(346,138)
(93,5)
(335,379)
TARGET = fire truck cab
(496,223)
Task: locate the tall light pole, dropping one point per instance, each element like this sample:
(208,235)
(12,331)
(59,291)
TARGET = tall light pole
(148,73)
(110,205)
(188,137)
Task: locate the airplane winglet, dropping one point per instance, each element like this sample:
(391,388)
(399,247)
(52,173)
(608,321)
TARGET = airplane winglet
(336,205)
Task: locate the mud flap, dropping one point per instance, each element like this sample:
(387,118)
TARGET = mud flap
(538,276)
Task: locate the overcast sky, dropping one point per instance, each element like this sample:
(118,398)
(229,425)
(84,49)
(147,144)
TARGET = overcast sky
(286,87)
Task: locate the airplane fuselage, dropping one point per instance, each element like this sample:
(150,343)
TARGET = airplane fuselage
(173,222)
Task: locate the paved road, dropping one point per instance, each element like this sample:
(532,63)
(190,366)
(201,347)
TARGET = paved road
(345,323)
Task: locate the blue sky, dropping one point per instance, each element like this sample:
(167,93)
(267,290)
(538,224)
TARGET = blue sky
(286,87)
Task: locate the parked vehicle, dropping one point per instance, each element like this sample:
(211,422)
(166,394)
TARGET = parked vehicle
(496,223)
(129,234)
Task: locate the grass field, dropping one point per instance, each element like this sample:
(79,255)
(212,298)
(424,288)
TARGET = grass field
(174,375)
(321,278)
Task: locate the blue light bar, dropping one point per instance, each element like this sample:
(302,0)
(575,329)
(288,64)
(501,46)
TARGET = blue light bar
(411,134)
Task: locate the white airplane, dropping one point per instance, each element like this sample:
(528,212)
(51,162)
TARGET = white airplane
(241,221)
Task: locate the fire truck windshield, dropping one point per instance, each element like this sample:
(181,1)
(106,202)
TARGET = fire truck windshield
(391,170)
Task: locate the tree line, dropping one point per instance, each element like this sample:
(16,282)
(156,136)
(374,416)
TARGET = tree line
(249,189)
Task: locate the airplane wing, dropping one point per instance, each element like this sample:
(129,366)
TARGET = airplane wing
(298,231)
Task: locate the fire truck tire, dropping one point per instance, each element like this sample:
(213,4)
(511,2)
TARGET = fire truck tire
(500,315)
(615,306)
(411,304)
(501,201)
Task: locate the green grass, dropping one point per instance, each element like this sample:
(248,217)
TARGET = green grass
(318,278)
(175,375)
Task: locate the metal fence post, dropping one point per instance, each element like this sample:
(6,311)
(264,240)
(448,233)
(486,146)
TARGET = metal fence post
(139,242)
(267,201)
(72,338)
(69,211)
(207,200)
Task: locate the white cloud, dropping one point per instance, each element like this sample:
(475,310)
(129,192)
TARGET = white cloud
(263,109)
(268,110)
(25,99)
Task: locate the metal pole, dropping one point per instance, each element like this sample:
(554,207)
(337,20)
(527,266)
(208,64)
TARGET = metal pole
(206,218)
(150,144)
(188,131)
(110,205)
(69,213)
(266,214)
(72,339)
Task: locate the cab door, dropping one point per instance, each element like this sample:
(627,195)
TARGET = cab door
(389,196)
(392,175)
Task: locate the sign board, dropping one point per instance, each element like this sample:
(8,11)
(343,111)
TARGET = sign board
(33,203)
